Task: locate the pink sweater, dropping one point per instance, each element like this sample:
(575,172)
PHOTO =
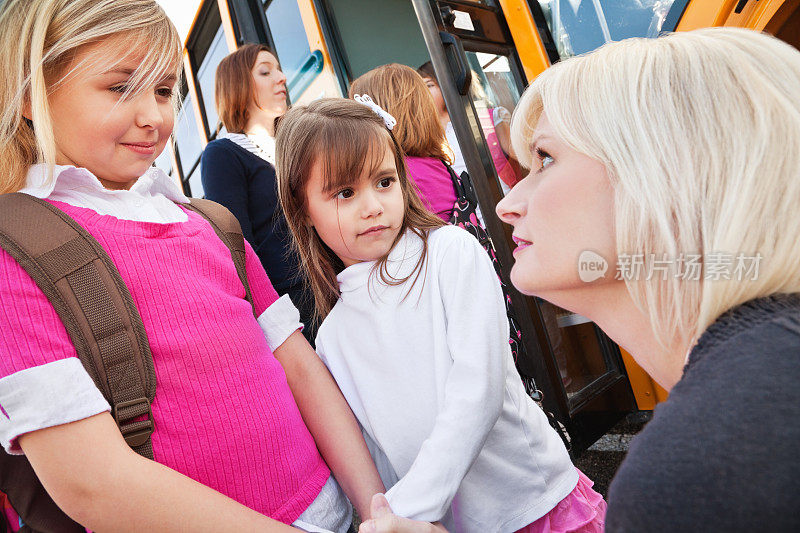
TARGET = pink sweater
(434,185)
(223,411)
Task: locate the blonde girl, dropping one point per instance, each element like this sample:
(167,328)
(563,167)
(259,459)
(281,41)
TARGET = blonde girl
(416,336)
(683,151)
(87,104)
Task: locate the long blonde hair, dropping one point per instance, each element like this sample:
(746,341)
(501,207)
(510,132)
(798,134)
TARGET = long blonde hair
(39,39)
(700,135)
(401,91)
(347,138)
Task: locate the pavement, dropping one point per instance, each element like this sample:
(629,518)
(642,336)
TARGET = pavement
(601,460)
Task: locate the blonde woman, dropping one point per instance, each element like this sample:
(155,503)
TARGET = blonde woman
(676,162)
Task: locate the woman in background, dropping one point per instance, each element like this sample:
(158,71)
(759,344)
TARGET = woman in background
(238,168)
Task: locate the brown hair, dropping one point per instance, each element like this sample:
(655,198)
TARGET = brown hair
(347,138)
(426,71)
(402,92)
(233,86)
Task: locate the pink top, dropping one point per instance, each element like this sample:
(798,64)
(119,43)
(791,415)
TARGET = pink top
(223,411)
(504,170)
(434,185)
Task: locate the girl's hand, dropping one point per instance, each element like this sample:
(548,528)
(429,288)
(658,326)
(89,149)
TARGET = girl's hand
(384,521)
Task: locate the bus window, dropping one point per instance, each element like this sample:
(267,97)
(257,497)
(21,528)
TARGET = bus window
(374,33)
(205,79)
(195,184)
(187,138)
(291,45)
(579,26)
(494,94)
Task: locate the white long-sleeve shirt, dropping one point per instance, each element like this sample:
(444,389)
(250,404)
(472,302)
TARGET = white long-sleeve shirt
(428,372)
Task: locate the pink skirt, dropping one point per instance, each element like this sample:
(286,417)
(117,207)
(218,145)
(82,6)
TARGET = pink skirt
(582,511)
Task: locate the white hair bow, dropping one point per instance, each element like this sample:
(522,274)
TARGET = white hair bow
(366,99)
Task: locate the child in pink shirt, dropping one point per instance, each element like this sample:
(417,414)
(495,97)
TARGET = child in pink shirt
(242,404)
(401,91)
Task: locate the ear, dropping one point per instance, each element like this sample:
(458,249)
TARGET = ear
(308,221)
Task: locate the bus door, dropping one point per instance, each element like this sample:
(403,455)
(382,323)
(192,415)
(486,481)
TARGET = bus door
(577,367)
(780,18)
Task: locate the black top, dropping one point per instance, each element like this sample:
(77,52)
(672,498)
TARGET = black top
(722,453)
(247,186)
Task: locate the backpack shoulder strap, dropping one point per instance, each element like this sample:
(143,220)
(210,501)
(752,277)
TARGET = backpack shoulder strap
(462,185)
(87,292)
(229,231)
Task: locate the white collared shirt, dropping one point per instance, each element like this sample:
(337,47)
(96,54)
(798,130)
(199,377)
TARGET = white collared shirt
(152,198)
(426,367)
(262,145)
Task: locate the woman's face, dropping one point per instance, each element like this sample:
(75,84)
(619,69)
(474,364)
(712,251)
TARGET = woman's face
(436,93)
(563,218)
(270,84)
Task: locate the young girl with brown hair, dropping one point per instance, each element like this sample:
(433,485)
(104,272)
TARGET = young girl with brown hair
(416,336)
(421,137)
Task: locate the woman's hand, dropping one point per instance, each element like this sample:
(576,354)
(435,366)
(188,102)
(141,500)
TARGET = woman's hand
(384,521)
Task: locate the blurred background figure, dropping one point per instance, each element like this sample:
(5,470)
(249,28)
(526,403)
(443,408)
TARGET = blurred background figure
(238,168)
(495,123)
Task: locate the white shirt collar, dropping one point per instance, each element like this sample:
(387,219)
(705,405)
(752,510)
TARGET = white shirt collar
(154,182)
(153,198)
(262,145)
(399,263)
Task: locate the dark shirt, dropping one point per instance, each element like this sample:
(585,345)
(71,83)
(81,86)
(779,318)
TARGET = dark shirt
(721,454)
(247,186)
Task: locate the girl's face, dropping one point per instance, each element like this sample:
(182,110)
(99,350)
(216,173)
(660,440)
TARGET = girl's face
(436,93)
(113,139)
(270,85)
(563,208)
(359,222)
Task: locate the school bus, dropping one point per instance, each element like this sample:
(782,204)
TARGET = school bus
(588,381)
